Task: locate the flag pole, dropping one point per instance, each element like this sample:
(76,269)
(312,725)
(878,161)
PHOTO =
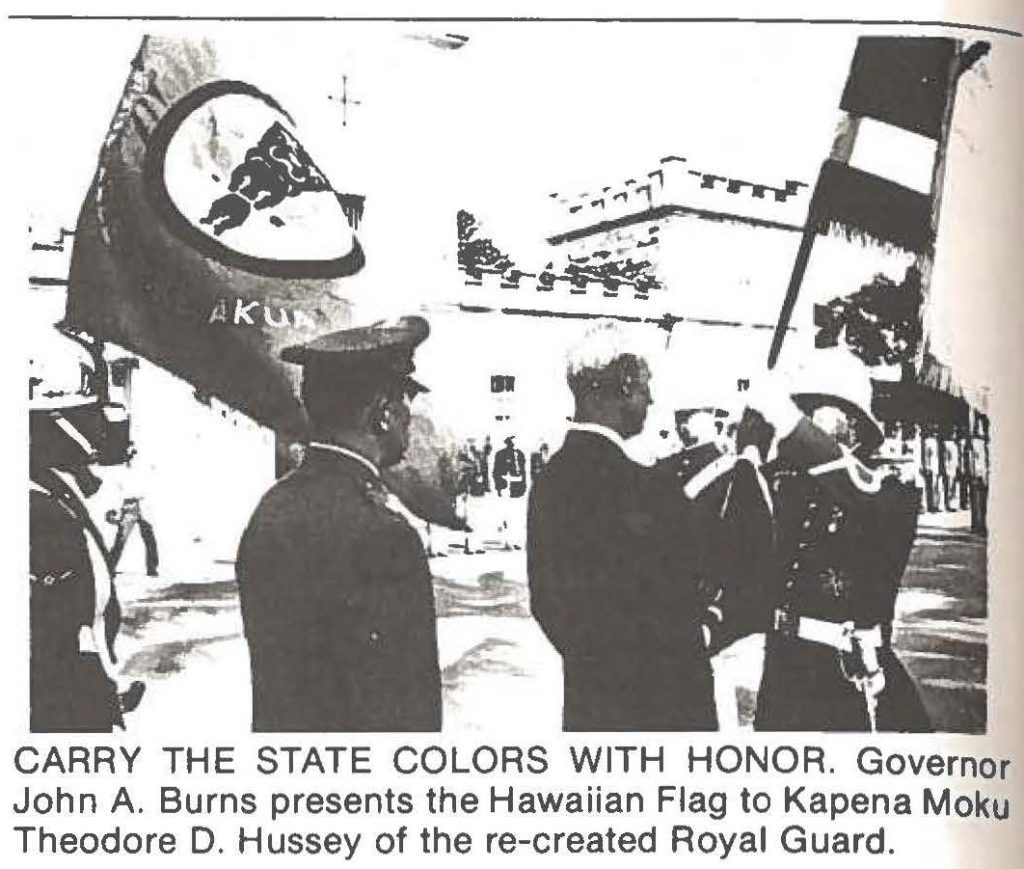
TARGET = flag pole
(842,148)
(856,105)
(796,279)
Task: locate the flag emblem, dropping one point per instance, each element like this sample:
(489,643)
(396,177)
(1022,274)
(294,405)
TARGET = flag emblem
(228,173)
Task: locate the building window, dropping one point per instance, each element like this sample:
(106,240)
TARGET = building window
(503,383)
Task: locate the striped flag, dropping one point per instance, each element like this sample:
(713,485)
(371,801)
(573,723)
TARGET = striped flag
(879,180)
(883,179)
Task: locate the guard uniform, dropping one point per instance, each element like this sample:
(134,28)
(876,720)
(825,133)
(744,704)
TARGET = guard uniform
(510,470)
(733,511)
(844,534)
(70,690)
(688,462)
(336,593)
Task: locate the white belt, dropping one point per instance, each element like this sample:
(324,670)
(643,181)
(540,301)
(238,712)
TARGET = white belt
(841,636)
(866,674)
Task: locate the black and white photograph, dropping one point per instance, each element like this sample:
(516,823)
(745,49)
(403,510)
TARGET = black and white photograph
(466,376)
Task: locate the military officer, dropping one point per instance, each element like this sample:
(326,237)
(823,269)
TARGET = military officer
(844,531)
(510,469)
(336,593)
(733,507)
(74,610)
(700,447)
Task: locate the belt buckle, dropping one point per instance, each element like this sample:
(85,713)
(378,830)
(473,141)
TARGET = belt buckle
(786,622)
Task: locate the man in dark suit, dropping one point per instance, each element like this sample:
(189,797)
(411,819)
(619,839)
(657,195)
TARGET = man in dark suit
(336,593)
(611,549)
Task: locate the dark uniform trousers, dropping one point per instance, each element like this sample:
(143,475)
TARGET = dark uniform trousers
(337,603)
(69,691)
(843,540)
(612,554)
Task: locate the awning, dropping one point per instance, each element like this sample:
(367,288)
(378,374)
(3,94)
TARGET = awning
(914,402)
(939,376)
(934,396)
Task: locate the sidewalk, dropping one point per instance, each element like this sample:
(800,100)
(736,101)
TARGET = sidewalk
(956,520)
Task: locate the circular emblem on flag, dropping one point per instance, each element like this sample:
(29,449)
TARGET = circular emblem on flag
(226,170)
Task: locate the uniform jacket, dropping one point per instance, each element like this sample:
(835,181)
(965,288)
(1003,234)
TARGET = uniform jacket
(844,535)
(733,509)
(612,555)
(338,608)
(510,471)
(69,690)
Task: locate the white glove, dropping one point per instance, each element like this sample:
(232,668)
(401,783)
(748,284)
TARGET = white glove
(770,396)
(713,618)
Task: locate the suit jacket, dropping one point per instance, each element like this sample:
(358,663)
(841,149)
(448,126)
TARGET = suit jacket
(612,559)
(338,607)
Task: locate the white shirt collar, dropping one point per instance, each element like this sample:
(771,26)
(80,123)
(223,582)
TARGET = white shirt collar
(603,431)
(345,451)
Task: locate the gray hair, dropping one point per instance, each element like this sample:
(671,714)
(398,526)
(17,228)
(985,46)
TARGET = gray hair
(590,360)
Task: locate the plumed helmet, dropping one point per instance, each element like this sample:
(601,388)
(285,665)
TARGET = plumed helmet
(836,379)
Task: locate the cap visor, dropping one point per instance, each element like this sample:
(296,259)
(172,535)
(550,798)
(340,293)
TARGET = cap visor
(413,387)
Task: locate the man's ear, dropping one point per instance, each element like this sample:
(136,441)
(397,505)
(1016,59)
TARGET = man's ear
(379,413)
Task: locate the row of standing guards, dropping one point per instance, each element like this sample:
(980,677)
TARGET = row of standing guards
(949,464)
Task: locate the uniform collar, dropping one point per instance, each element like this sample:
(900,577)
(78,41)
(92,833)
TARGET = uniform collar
(351,454)
(61,486)
(58,484)
(602,430)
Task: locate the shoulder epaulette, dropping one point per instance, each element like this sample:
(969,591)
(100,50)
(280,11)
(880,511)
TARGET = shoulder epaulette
(863,478)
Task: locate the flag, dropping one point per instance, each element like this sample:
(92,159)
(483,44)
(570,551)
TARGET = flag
(209,238)
(864,206)
(902,81)
(878,181)
(882,181)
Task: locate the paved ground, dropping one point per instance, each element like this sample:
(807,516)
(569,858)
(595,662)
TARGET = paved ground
(184,638)
(942,625)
